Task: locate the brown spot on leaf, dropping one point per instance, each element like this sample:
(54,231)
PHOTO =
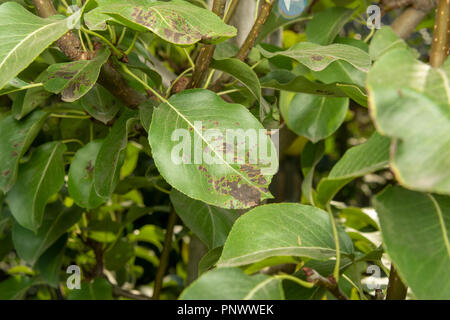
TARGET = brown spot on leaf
(316,58)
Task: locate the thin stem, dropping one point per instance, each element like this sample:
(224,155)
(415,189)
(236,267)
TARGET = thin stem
(118,53)
(441,36)
(209,78)
(227,10)
(372,32)
(164,260)
(301,282)
(81,40)
(65,110)
(188,56)
(336,241)
(34,85)
(112,33)
(133,42)
(66,116)
(91,131)
(159,188)
(88,39)
(258,63)
(122,35)
(228,91)
(360,292)
(206,52)
(230,11)
(66,141)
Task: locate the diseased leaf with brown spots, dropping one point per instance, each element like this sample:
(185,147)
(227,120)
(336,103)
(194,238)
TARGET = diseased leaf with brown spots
(317,57)
(201,146)
(74,79)
(175,21)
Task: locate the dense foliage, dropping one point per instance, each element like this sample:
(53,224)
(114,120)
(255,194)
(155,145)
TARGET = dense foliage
(115,159)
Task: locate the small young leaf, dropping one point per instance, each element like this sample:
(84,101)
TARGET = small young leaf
(38,179)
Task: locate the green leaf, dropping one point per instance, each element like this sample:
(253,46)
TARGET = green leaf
(310,157)
(415,229)
(119,254)
(242,72)
(24,36)
(209,260)
(315,117)
(111,154)
(15,287)
(368,157)
(27,101)
(57,220)
(99,289)
(285,229)
(101,104)
(39,178)
(17,137)
(146,112)
(81,176)
(383,41)
(326,25)
(74,79)
(234,284)
(175,21)
(414,107)
(49,264)
(317,57)
(214,173)
(288,81)
(211,224)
